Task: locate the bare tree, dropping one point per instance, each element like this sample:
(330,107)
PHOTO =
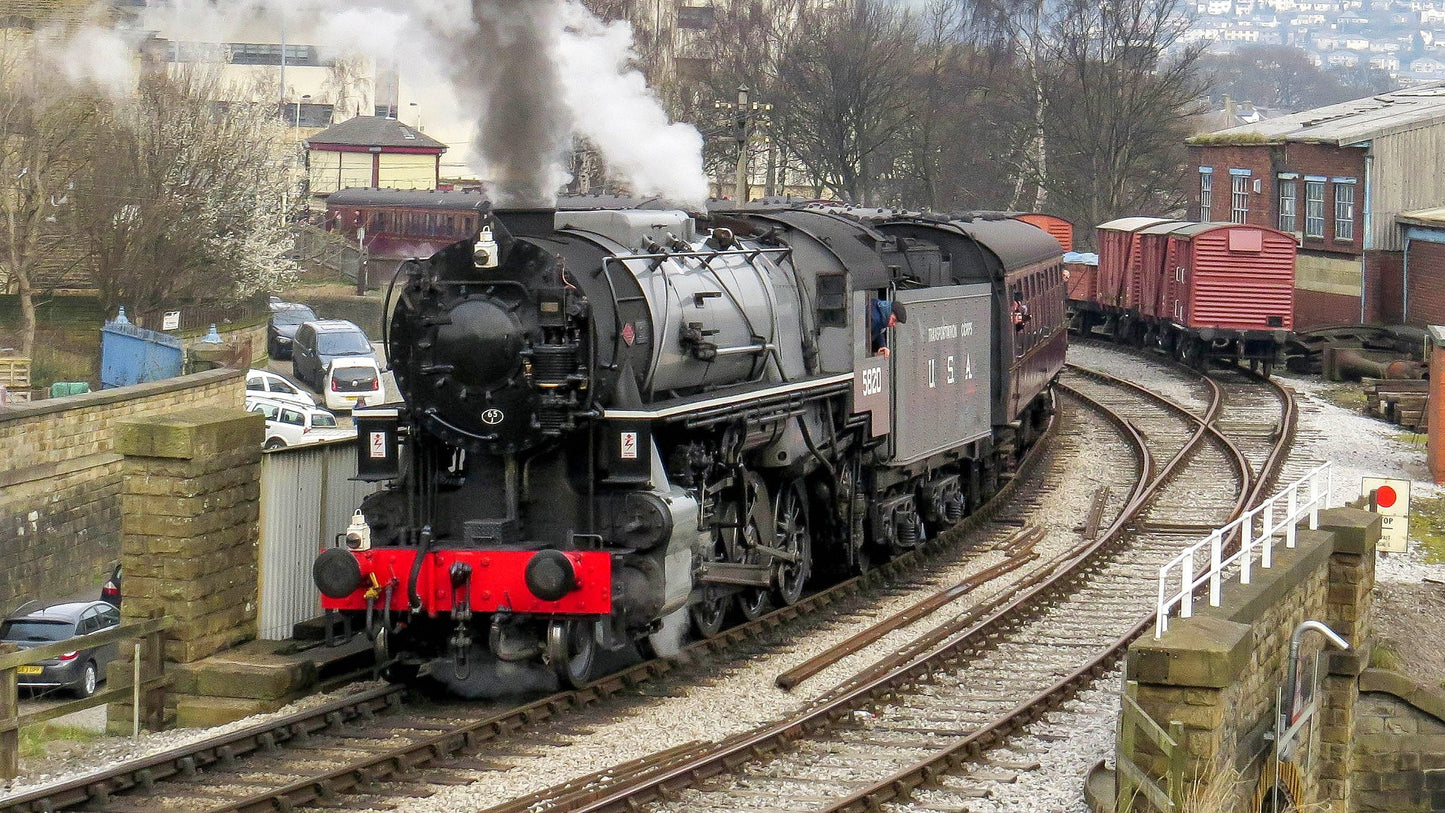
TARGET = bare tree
(42,125)
(1017,28)
(348,85)
(1118,108)
(181,199)
(843,95)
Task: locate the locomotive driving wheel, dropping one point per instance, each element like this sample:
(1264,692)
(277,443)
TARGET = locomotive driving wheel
(747,534)
(790,519)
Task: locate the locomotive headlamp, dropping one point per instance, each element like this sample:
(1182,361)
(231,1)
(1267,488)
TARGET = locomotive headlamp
(484,251)
(358,533)
(550,575)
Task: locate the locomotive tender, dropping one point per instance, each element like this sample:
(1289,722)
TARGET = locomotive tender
(612,418)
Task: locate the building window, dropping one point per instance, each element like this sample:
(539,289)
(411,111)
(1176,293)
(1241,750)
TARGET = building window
(1315,207)
(1288,221)
(1344,208)
(1206,192)
(1239,197)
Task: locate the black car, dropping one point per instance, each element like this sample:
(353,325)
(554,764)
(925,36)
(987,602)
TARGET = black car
(78,671)
(110,591)
(285,318)
(317,343)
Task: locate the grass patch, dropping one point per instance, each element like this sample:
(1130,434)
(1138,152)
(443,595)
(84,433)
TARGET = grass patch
(34,739)
(1344,395)
(1427,525)
(1383,657)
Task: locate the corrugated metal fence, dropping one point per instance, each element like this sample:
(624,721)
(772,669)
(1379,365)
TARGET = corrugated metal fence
(307,497)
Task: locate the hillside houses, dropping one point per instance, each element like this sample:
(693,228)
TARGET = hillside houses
(1405,38)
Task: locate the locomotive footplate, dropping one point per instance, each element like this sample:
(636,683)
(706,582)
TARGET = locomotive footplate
(742,575)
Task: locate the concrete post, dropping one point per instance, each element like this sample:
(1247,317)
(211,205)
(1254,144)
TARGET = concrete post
(190,526)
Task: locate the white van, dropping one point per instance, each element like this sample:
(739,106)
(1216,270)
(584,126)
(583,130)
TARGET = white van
(353,380)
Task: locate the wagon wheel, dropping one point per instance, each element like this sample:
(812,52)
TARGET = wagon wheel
(790,519)
(572,650)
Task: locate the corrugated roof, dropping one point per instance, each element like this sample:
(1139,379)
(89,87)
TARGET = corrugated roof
(1345,123)
(1424,217)
(374,131)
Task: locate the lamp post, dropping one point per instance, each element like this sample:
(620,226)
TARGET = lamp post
(298,114)
(418,114)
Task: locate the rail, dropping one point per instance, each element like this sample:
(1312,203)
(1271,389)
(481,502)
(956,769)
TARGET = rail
(1182,568)
(146,691)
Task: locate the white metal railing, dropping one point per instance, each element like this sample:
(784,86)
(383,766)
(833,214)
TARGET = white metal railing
(1289,504)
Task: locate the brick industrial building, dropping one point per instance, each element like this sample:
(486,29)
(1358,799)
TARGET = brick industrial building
(1338,178)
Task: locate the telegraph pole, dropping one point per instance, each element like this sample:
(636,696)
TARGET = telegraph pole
(746,116)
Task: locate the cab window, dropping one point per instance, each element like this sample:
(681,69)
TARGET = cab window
(292,417)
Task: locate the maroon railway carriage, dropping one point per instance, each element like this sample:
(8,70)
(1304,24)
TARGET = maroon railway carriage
(401,224)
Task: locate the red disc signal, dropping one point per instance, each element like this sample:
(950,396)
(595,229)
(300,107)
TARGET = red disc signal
(1385,496)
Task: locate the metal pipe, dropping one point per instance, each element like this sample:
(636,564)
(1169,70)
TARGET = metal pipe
(1286,708)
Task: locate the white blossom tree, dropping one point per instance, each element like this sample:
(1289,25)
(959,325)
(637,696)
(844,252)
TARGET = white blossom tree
(182,196)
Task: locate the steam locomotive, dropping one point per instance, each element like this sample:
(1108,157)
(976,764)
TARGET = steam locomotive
(616,418)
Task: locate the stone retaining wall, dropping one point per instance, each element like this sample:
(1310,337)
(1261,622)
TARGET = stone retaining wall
(1399,745)
(60,480)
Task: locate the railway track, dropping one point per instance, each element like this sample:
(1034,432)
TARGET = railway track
(941,707)
(391,752)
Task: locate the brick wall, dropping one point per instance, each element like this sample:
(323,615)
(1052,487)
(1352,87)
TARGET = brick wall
(1217,673)
(1314,309)
(1265,162)
(60,480)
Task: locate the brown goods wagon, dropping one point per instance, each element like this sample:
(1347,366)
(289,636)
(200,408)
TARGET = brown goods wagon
(1083,281)
(1057,227)
(1119,258)
(1232,277)
(1157,263)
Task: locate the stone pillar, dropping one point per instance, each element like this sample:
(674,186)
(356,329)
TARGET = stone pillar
(1348,611)
(1435,406)
(190,527)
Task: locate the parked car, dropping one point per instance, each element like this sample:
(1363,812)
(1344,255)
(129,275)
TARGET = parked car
(286,317)
(277,388)
(353,380)
(318,343)
(79,671)
(290,425)
(110,591)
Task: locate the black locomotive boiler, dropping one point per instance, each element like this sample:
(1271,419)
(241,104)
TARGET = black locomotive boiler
(613,419)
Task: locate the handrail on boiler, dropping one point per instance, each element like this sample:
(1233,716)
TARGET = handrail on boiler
(1317,482)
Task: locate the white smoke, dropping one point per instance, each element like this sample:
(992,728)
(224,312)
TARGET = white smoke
(90,57)
(614,109)
(514,80)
